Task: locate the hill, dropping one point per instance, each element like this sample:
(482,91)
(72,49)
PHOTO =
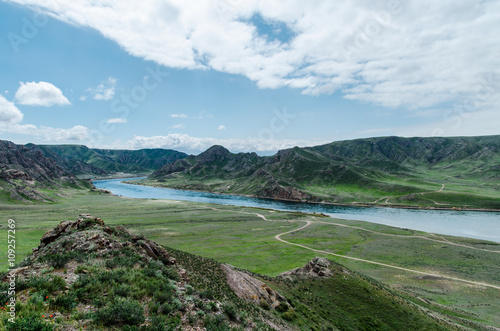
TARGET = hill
(461,172)
(25,173)
(85,274)
(81,160)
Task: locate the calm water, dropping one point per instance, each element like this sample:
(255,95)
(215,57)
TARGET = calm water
(480,225)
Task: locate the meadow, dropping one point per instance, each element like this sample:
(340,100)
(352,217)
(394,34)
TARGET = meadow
(245,238)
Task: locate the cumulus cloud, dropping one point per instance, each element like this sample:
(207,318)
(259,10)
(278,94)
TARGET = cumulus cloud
(40,94)
(116,120)
(105,90)
(178,116)
(415,53)
(46,134)
(221,127)
(178,126)
(191,144)
(9,114)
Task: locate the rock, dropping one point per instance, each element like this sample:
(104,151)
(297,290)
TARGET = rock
(277,191)
(248,288)
(15,174)
(317,267)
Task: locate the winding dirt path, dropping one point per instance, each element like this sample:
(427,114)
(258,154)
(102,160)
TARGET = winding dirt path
(444,241)
(309,222)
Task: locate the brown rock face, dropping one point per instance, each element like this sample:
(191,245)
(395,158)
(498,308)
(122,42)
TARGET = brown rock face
(285,193)
(248,288)
(14,174)
(317,267)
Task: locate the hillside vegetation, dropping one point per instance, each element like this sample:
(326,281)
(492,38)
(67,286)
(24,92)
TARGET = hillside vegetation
(461,172)
(81,160)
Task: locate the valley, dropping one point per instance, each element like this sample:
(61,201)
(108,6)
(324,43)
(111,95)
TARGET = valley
(437,281)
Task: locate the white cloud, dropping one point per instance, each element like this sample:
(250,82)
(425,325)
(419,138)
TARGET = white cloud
(178,116)
(178,126)
(77,133)
(105,90)
(221,127)
(415,53)
(9,114)
(190,144)
(117,120)
(40,94)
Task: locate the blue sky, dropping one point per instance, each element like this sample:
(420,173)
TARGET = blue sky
(248,76)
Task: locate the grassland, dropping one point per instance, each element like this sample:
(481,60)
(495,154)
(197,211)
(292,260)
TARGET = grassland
(245,238)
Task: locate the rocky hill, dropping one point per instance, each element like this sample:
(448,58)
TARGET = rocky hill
(25,172)
(81,160)
(87,275)
(383,171)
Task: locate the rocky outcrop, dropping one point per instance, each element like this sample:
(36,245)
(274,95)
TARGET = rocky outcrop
(89,234)
(9,174)
(277,191)
(317,267)
(248,288)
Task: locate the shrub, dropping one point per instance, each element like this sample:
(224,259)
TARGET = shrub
(122,290)
(173,322)
(264,305)
(58,261)
(282,307)
(289,315)
(215,323)
(45,282)
(121,311)
(64,302)
(230,310)
(31,323)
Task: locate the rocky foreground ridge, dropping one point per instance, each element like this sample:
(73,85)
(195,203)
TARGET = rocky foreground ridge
(85,274)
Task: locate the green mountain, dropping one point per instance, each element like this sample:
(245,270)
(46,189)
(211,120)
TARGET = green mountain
(81,160)
(87,275)
(461,172)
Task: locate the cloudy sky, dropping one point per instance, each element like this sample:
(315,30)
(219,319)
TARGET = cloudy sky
(250,75)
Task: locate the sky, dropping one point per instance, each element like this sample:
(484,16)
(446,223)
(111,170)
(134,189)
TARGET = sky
(249,75)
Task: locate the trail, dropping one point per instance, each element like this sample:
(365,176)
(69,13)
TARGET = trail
(444,241)
(309,222)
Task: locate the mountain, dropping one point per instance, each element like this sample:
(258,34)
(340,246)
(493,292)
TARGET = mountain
(81,160)
(87,275)
(432,172)
(25,172)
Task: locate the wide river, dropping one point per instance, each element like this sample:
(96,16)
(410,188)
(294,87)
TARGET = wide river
(479,225)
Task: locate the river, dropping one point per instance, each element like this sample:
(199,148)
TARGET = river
(479,225)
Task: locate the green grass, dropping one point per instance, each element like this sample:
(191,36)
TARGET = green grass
(237,236)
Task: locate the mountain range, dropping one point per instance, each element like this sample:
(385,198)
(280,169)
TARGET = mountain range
(436,172)
(462,172)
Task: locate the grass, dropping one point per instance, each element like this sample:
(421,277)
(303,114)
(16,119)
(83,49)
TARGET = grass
(237,236)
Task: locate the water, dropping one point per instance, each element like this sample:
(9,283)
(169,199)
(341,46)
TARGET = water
(479,225)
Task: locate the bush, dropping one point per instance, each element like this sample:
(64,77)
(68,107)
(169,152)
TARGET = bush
(121,311)
(64,302)
(215,323)
(230,310)
(30,323)
(282,307)
(58,261)
(289,315)
(264,305)
(44,282)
